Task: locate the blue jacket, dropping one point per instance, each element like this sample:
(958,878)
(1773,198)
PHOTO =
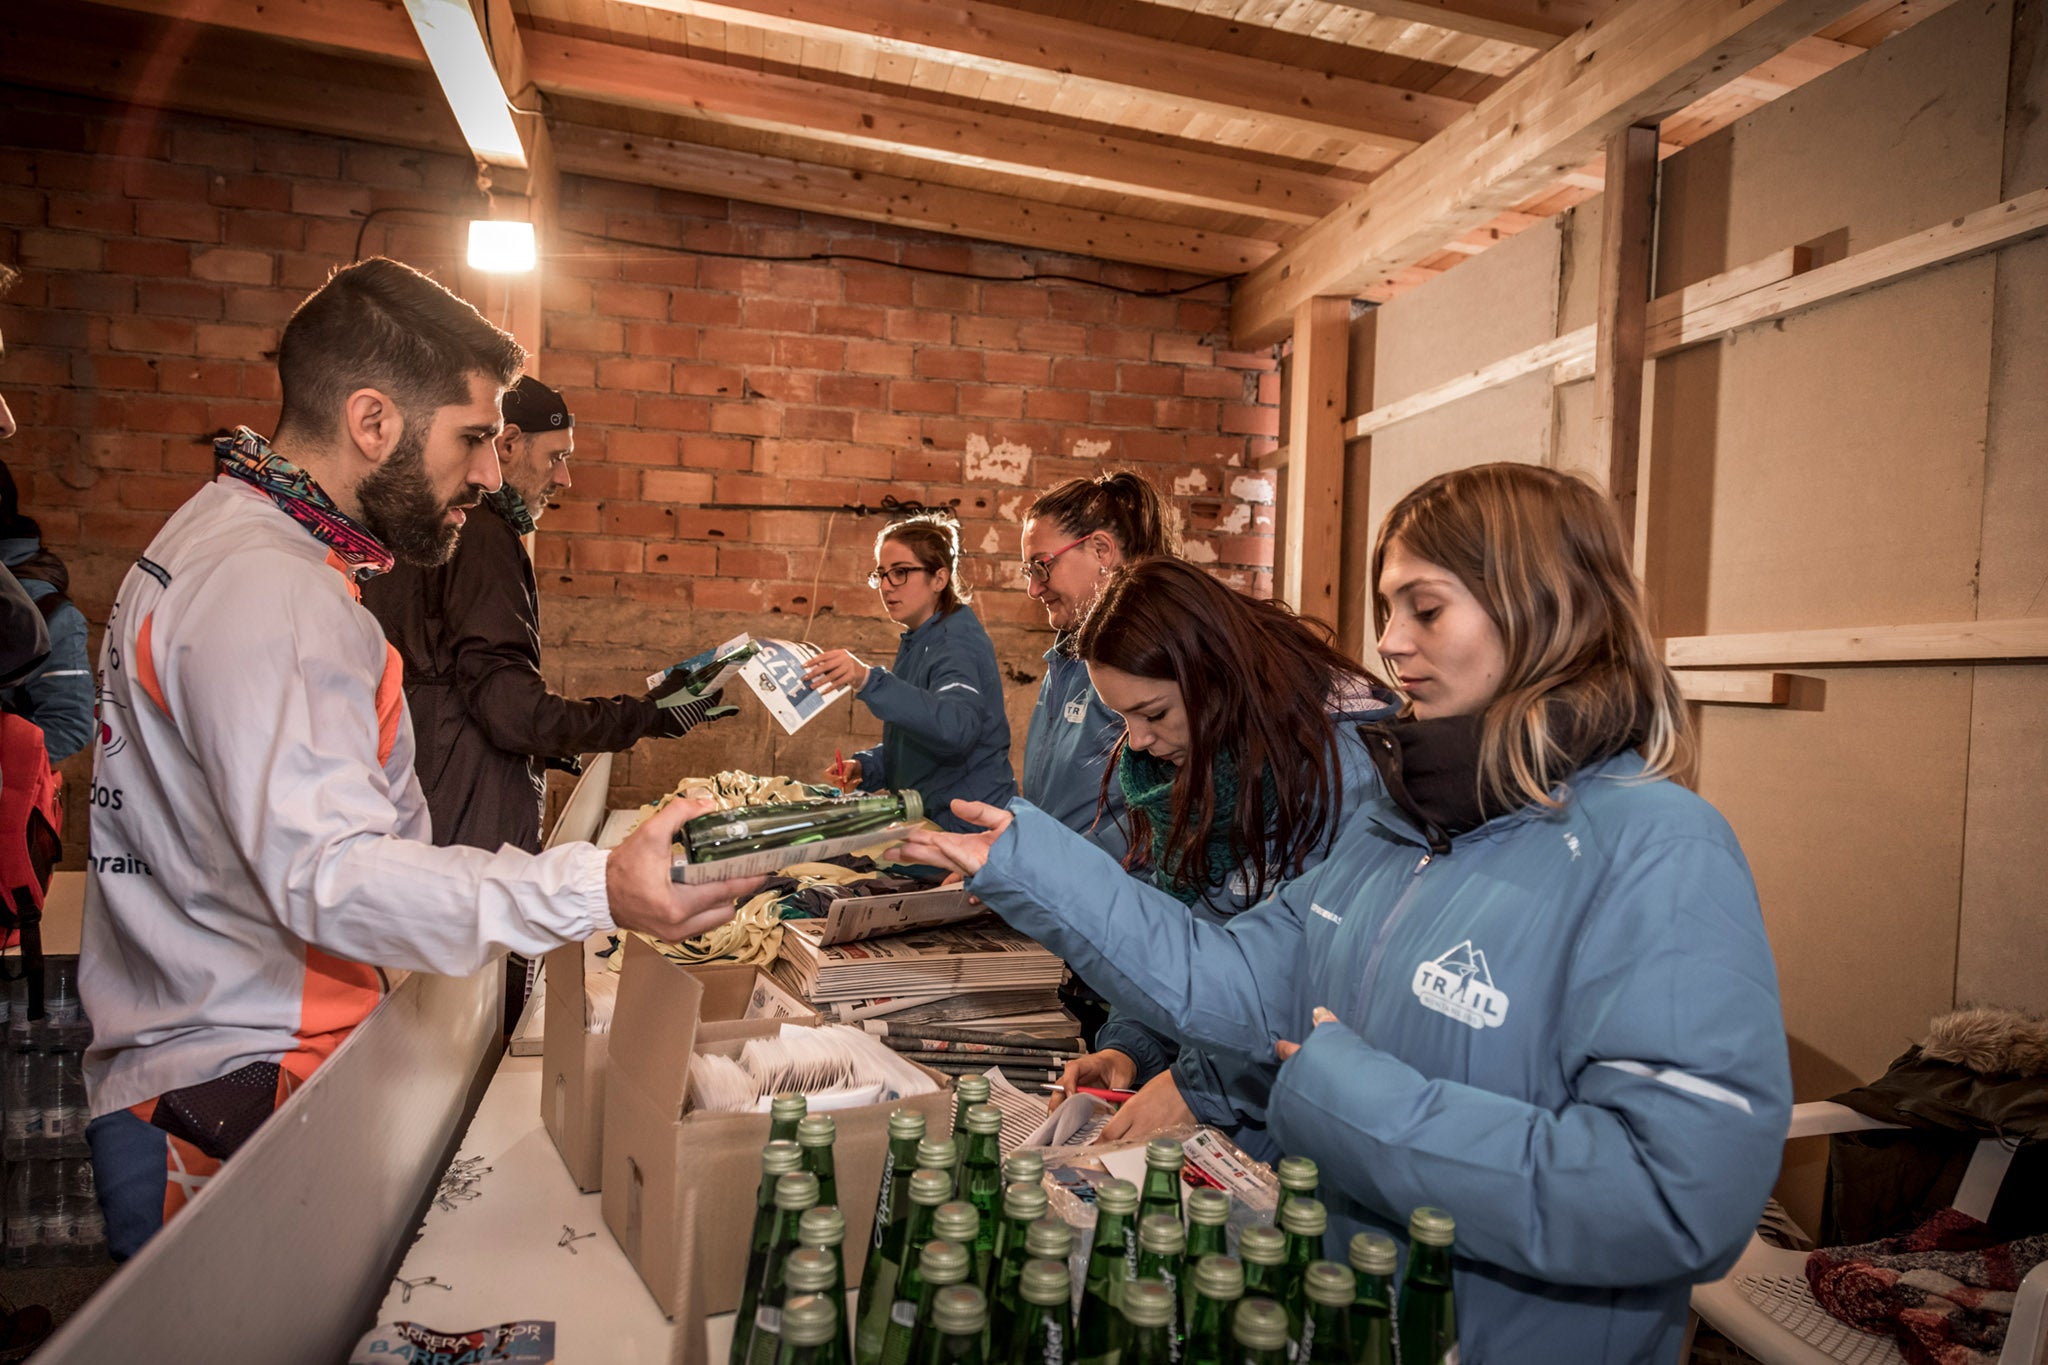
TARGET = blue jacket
(1066,752)
(1565,1031)
(59,695)
(944,731)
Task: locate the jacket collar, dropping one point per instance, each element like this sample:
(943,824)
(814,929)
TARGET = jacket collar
(1390,817)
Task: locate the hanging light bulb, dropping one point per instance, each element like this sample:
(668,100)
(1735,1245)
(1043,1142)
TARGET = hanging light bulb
(500,248)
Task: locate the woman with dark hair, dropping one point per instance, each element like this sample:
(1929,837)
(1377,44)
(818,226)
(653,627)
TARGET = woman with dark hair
(1211,686)
(944,732)
(1074,537)
(1531,980)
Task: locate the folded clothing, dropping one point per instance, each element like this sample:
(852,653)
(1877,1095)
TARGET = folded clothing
(1944,1291)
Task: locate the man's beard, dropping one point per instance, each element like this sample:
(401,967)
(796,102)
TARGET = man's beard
(401,510)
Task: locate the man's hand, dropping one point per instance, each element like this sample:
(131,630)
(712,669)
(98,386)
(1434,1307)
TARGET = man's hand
(1318,1017)
(636,882)
(673,722)
(1158,1105)
(836,668)
(1105,1070)
(846,774)
(962,853)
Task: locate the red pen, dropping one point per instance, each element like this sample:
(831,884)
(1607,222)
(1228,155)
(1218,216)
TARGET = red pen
(838,766)
(1109,1096)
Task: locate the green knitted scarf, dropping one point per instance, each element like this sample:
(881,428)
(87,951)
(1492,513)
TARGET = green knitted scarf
(1148,786)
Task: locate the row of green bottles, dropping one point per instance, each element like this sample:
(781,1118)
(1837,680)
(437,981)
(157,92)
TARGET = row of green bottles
(757,1338)
(750,829)
(890,1238)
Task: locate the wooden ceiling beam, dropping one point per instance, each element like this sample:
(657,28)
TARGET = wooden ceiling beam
(689,86)
(1011,42)
(1522,25)
(469,80)
(1646,59)
(809,187)
(371,28)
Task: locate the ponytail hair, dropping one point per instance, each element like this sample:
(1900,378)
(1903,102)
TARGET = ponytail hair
(1124,505)
(933,539)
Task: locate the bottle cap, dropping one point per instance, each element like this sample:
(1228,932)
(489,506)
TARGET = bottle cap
(1117,1197)
(1304,1217)
(1147,1303)
(1328,1283)
(930,1187)
(797,1190)
(787,1107)
(984,1118)
(1220,1278)
(816,1130)
(810,1270)
(913,803)
(1260,1324)
(938,1153)
(1262,1245)
(1298,1173)
(1210,1208)
(943,1262)
(1164,1154)
(1049,1238)
(959,1310)
(823,1226)
(1161,1232)
(906,1125)
(1024,1202)
(1047,1282)
(1431,1227)
(809,1320)
(780,1157)
(1027,1166)
(957,1222)
(1373,1253)
(973,1089)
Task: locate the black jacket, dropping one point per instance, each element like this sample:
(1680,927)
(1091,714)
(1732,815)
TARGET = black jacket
(482,715)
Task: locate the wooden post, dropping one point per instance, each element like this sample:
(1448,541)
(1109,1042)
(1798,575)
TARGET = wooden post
(1631,203)
(1314,509)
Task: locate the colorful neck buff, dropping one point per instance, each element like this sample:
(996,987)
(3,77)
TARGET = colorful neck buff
(248,457)
(507,503)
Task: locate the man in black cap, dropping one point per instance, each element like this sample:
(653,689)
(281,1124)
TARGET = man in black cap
(485,721)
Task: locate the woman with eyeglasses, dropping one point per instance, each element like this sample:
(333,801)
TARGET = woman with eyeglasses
(1530,984)
(944,732)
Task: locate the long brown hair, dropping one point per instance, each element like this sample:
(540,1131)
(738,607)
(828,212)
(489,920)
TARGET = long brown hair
(933,539)
(1124,505)
(1258,682)
(1542,551)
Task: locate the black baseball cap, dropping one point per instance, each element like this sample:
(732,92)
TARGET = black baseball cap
(532,406)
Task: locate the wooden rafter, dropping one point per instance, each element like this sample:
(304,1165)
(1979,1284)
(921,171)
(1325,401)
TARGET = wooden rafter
(1523,25)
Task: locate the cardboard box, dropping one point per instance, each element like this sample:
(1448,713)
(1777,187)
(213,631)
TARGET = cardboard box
(679,1187)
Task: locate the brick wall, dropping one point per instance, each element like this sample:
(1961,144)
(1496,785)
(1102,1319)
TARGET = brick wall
(163,252)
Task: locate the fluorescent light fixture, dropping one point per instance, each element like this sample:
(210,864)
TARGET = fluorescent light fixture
(500,248)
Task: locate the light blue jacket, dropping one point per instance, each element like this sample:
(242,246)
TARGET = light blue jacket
(1066,752)
(1565,1031)
(944,731)
(59,695)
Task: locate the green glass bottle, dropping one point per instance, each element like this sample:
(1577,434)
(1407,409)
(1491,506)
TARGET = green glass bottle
(724,834)
(968,1091)
(1299,1179)
(959,1320)
(941,1265)
(1372,1308)
(1150,1333)
(813,1271)
(1216,1285)
(794,1193)
(1040,1334)
(785,1112)
(1163,1161)
(1263,1250)
(816,1134)
(1048,1239)
(940,1153)
(1326,1290)
(810,1332)
(1161,1244)
(1208,1212)
(1022,1204)
(959,1221)
(1024,1168)
(887,1244)
(981,1183)
(1427,1322)
(1304,1222)
(823,1229)
(928,1190)
(1112,1260)
(779,1158)
(695,680)
(1260,1328)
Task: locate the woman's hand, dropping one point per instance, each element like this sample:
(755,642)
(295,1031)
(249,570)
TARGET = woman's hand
(643,898)
(1108,1069)
(1317,1018)
(835,668)
(846,774)
(1158,1105)
(962,853)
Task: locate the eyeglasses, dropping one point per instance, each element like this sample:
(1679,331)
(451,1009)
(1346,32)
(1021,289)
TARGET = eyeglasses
(1039,570)
(895,578)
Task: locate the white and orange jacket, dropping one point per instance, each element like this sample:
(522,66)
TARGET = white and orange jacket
(259,841)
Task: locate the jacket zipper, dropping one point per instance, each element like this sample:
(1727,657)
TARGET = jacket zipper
(1379,943)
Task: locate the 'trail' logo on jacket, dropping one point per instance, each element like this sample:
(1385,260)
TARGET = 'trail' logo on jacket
(1458,984)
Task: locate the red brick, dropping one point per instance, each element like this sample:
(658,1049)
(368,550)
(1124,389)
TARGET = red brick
(207,378)
(157,180)
(716,452)
(980,401)
(913,396)
(817,424)
(927,466)
(909,325)
(588,584)
(1004,367)
(666,413)
(733,526)
(845,320)
(737,348)
(1253,550)
(708,381)
(1269,387)
(1188,414)
(734,277)
(90,293)
(179,222)
(307,156)
(235,340)
(574,518)
(588,555)
(1055,405)
(631,301)
(320,199)
(675,485)
(1061,338)
(789,528)
(124,450)
(883,288)
(1162,447)
(1075,305)
(1151,314)
(39,249)
(746,419)
(1120,343)
(108,371)
(645,520)
(271,307)
(1120,409)
(154,492)
(232,266)
(1026,301)
(1246,420)
(585,334)
(1198,315)
(664,340)
(151,335)
(180,298)
(604,407)
(1226,384)
(704,309)
(809,353)
(851,391)
(217,148)
(640,447)
(944,294)
(646,375)
(722,594)
(816,283)
(677,272)
(1071,373)
(948,364)
(680,558)
(776,315)
(90,213)
(265,231)
(742,562)
(1179,350)
(886,428)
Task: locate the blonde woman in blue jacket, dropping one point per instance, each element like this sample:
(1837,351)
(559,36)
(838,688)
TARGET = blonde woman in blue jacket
(1530,984)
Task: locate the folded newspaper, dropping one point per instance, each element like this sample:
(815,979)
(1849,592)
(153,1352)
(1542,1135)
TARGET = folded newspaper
(774,672)
(927,962)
